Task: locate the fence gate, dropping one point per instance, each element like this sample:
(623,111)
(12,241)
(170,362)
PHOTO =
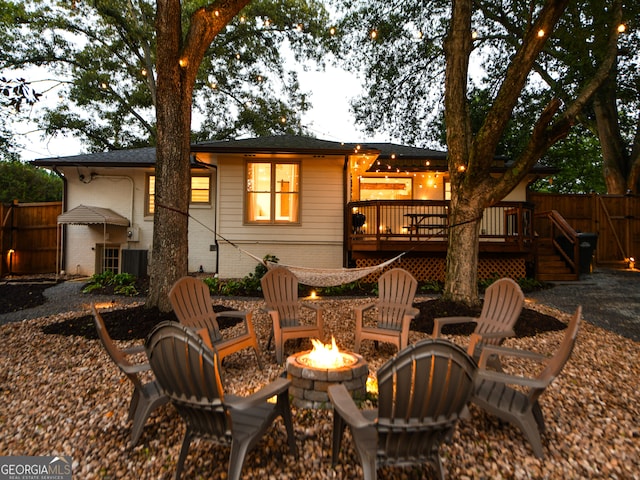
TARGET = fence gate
(29,239)
(615,218)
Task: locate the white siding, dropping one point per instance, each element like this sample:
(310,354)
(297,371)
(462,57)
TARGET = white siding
(316,242)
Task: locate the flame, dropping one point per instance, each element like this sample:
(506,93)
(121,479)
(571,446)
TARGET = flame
(326,356)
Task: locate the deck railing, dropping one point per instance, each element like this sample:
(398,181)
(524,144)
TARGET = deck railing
(388,221)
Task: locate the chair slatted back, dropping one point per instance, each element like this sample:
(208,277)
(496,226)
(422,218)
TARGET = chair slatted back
(280,290)
(191,302)
(396,292)
(555,365)
(421,394)
(118,357)
(189,373)
(503,302)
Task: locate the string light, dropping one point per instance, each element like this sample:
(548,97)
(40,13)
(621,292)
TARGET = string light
(300,27)
(461,168)
(541,33)
(104,86)
(143,72)
(622,28)
(243,19)
(474,35)
(374,34)
(216,13)
(332,31)
(283,119)
(183,62)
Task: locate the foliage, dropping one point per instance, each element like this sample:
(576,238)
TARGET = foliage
(122,283)
(102,58)
(430,286)
(26,183)
(16,92)
(403,74)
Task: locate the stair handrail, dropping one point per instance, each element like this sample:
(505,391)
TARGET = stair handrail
(558,222)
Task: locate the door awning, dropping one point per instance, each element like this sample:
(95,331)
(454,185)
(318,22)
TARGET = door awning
(88,215)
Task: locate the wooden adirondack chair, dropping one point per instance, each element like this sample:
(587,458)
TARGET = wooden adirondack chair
(280,290)
(396,292)
(147,396)
(494,393)
(422,393)
(191,302)
(189,373)
(503,302)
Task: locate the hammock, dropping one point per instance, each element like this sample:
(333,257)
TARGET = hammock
(314,277)
(325,277)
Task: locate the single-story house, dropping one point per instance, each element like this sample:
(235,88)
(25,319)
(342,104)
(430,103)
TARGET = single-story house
(309,202)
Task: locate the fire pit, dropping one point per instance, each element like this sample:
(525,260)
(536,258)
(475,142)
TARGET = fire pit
(311,372)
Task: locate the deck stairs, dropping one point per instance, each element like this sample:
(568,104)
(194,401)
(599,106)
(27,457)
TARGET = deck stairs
(550,264)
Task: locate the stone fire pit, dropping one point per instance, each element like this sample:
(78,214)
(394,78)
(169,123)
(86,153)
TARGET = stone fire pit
(309,383)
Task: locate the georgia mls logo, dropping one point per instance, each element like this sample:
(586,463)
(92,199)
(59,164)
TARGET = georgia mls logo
(35,468)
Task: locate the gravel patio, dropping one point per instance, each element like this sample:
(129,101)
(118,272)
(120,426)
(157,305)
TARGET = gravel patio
(61,395)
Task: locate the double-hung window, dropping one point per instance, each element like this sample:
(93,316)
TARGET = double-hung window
(200,191)
(273,192)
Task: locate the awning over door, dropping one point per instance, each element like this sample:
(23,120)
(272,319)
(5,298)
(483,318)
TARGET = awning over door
(88,215)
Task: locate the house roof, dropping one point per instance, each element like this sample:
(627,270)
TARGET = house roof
(88,215)
(389,155)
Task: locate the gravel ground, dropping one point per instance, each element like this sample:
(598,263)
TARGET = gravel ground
(61,395)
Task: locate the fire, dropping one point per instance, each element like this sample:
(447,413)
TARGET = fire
(326,355)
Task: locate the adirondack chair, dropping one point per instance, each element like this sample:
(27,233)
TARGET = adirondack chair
(147,396)
(280,290)
(503,302)
(191,302)
(189,373)
(494,393)
(396,291)
(422,393)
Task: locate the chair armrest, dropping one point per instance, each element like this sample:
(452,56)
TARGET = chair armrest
(363,308)
(311,306)
(412,312)
(479,338)
(140,367)
(133,350)
(278,386)
(489,350)
(232,313)
(501,377)
(344,406)
(438,323)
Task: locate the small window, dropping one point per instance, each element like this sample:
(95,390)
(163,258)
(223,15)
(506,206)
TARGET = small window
(107,258)
(273,192)
(200,192)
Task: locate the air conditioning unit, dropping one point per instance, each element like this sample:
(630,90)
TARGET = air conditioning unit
(134,262)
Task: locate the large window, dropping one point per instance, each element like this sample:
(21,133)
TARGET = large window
(200,191)
(273,192)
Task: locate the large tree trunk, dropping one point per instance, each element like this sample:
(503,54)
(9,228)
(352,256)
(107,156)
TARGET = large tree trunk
(169,259)
(462,253)
(178,60)
(614,150)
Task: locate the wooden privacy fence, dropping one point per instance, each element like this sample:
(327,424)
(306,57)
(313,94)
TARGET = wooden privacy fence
(614,218)
(29,239)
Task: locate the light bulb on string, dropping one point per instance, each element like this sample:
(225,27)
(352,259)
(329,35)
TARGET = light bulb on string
(332,31)
(541,33)
(622,28)
(373,34)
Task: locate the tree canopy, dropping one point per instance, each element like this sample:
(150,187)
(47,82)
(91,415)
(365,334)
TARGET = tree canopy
(402,63)
(102,54)
(26,183)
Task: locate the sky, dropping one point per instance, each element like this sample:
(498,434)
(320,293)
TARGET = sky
(329,119)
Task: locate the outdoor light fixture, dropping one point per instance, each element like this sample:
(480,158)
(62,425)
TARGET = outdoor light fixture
(632,263)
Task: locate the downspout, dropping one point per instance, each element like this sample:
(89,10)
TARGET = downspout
(215,222)
(62,231)
(345,198)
